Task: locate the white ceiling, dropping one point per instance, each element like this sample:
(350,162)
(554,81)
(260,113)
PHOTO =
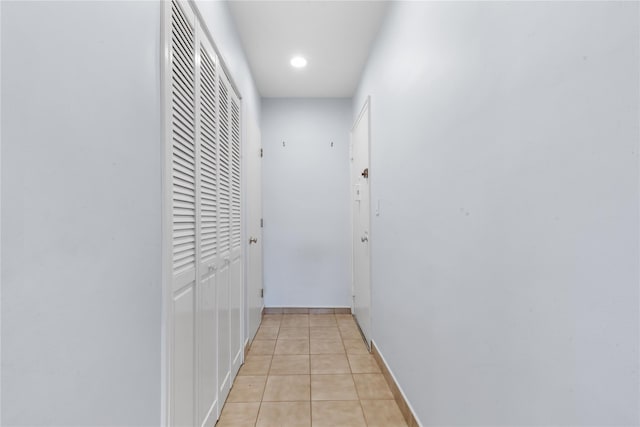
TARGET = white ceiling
(334,37)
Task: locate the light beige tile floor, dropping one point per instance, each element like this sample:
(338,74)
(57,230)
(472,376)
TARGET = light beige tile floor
(310,370)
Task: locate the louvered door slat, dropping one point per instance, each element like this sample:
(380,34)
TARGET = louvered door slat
(183,141)
(236,225)
(225,169)
(208,157)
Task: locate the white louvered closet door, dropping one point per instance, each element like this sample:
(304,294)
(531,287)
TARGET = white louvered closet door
(207,345)
(224,231)
(204,323)
(182,81)
(235,255)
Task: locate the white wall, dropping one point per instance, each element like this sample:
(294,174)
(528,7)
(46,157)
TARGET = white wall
(505,257)
(81,204)
(307,247)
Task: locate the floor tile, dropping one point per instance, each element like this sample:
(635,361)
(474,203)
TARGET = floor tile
(344,317)
(346,323)
(293,334)
(267,333)
(295,321)
(382,413)
(270,323)
(292,347)
(363,364)
(247,389)
(355,346)
(310,369)
(326,347)
(324,333)
(290,365)
(350,333)
(281,414)
(287,388)
(333,387)
(337,414)
(262,347)
(255,365)
(322,320)
(239,415)
(330,364)
(372,386)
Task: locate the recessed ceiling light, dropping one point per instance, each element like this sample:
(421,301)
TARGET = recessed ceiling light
(298,62)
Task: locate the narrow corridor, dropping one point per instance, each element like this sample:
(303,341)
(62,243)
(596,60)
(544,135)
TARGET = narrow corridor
(310,370)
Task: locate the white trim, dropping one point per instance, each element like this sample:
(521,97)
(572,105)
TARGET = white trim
(366,108)
(167,317)
(352,294)
(197,158)
(395,380)
(0,219)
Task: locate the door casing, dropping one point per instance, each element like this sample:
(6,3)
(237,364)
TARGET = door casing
(361,220)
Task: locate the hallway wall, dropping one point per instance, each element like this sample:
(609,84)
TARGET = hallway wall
(307,249)
(81,206)
(505,256)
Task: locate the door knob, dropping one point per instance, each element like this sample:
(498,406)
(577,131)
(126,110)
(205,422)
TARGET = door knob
(253,240)
(365,173)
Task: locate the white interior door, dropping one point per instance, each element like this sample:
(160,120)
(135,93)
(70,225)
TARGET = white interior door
(253,173)
(361,208)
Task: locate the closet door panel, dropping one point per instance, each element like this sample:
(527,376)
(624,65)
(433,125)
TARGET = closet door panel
(235,214)
(235,315)
(183,366)
(207,311)
(224,350)
(207,352)
(182,81)
(224,235)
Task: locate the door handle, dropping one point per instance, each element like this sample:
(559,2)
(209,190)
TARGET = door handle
(253,240)
(364,239)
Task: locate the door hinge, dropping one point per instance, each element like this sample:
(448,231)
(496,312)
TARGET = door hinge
(261,293)
(261,152)
(261,223)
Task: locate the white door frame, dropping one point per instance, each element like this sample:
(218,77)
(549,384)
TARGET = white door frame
(366,109)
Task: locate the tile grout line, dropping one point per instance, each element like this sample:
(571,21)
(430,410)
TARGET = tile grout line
(364,417)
